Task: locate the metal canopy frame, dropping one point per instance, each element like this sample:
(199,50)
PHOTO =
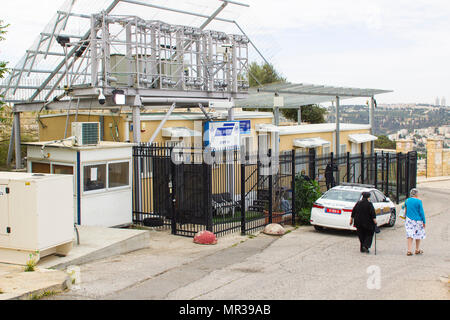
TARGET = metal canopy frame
(296,95)
(78,66)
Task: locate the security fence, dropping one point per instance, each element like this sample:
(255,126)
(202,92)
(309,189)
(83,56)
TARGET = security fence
(189,189)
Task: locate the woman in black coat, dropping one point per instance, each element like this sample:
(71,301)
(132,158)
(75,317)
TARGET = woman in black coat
(363,215)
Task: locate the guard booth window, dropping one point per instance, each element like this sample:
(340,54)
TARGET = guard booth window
(118,174)
(94,177)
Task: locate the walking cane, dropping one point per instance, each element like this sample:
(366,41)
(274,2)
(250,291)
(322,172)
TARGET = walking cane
(375,243)
(377,230)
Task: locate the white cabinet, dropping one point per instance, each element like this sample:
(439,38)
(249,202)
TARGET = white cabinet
(36,216)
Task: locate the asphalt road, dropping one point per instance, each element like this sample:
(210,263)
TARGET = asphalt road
(303,264)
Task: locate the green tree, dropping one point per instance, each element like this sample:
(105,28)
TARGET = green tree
(3,64)
(383,142)
(263,74)
(310,113)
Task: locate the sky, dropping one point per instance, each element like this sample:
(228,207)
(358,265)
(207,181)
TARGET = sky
(400,45)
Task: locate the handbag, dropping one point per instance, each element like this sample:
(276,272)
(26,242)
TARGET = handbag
(403,211)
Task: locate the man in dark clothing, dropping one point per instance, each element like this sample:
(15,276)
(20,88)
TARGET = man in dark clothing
(363,214)
(329,177)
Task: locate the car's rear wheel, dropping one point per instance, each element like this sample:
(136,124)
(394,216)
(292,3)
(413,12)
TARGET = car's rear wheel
(392,218)
(318,228)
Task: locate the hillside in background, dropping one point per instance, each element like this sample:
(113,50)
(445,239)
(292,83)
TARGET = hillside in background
(389,120)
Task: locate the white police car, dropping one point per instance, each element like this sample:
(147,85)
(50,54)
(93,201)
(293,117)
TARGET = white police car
(334,208)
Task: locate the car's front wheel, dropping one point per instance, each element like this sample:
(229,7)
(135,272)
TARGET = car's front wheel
(392,218)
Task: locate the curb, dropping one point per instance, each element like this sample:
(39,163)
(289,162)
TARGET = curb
(55,286)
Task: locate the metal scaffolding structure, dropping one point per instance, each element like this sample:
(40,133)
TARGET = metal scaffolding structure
(126,60)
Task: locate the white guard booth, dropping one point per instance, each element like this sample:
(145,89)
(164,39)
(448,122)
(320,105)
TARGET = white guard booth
(102,190)
(36,216)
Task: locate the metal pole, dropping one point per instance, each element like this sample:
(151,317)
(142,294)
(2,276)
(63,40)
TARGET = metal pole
(277,116)
(11,146)
(337,143)
(17,140)
(161,124)
(299,115)
(137,124)
(372,121)
(293,187)
(270,187)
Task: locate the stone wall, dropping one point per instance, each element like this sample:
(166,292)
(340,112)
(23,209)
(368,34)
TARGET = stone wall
(435,157)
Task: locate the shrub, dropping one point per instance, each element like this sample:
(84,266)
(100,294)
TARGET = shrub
(306,193)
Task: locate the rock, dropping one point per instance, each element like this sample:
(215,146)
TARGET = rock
(205,237)
(274,229)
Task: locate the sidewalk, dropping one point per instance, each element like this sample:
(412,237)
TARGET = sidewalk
(423,179)
(50,277)
(15,284)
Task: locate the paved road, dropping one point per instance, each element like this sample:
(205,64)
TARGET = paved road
(303,264)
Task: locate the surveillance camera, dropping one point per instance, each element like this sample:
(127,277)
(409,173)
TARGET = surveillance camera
(101,97)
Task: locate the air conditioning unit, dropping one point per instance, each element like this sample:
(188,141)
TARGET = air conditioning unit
(86,133)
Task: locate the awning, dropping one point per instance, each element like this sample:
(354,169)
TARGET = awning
(310,142)
(361,137)
(179,132)
(266,127)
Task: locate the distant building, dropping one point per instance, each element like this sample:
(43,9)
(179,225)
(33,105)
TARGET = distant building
(436,103)
(443,102)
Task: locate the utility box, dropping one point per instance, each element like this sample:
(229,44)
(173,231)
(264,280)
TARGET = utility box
(36,216)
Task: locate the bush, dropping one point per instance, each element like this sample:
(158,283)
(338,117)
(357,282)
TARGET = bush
(306,193)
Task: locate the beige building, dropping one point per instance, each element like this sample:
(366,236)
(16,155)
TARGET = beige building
(354,138)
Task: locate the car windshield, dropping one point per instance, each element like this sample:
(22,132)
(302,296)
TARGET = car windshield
(342,195)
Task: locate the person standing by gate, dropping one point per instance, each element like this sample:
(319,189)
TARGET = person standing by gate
(364,218)
(329,177)
(415,221)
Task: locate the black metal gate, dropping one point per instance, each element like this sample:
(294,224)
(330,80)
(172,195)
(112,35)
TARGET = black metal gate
(173,187)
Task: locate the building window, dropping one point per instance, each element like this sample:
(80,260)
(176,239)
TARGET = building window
(61,169)
(118,174)
(326,150)
(38,167)
(342,149)
(94,177)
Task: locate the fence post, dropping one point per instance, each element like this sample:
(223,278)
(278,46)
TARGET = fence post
(207,189)
(376,170)
(293,187)
(398,178)
(243,222)
(270,186)
(312,163)
(387,174)
(407,175)
(173,195)
(348,166)
(362,168)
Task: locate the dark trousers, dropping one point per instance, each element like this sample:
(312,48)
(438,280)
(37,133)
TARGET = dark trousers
(365,237)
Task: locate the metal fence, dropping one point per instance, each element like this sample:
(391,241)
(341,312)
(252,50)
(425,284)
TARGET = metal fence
(188,190)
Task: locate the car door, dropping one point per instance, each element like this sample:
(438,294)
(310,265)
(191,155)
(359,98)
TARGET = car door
(377,205)
(384,206)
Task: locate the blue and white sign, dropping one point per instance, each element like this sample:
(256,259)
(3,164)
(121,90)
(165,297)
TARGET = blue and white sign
(245,127)
(220,135)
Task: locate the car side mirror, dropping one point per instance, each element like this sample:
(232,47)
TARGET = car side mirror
(387,199)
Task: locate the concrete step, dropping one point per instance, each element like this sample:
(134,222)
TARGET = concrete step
(98,243)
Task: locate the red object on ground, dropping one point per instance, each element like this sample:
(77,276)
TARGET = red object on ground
(205,237)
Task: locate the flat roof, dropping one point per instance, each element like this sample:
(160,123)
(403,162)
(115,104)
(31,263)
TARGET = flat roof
(67,145)
(311,128)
